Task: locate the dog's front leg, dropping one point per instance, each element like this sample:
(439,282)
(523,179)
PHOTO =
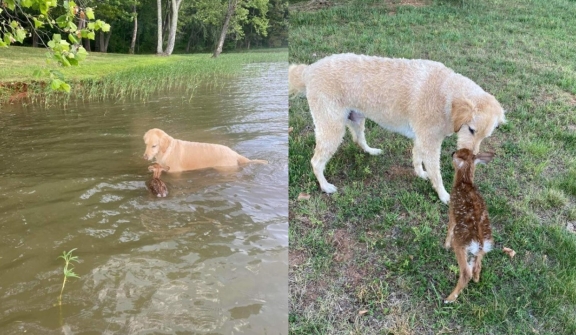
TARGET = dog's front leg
(430,152)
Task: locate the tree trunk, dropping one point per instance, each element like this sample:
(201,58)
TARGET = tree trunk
(81,25)
(231,8)
(166,22)
(101,46)
(159,22)
(190,41)
(34,38)
(173,26)
(108,34)
(134,32)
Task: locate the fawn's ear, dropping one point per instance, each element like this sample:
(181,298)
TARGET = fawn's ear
(462,112)
(459,162)
(484,158)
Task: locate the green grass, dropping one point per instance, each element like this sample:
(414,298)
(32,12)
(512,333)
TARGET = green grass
(369,259)
(120,76)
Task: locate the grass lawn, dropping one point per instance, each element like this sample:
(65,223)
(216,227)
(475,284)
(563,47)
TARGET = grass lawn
(121,75)
(369,259)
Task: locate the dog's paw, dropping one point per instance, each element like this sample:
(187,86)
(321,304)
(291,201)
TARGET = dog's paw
(422,174)
(373,151)
(329,188)
(445,198)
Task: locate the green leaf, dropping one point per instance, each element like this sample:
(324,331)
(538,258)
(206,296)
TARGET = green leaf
(37,23)
(91,25)
(27,3)
(57,38)
(7,38)
(10,4)
(51,44)
(81,54)
(14,24)
(106,27)
(2,44)
(65,61)
(73,39)
(37,73)
(62,21)
(90,13)
(60,75)
(20,35)
(55,85)
(91,35)
(84,33)
(72,27)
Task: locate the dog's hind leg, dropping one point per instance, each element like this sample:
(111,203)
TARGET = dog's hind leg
(355,124)
(329,132)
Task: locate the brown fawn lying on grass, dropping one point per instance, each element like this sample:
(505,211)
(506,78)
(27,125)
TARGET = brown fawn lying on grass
(157,186)
(469,226)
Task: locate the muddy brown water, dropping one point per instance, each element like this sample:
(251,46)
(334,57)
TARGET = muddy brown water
(211,258)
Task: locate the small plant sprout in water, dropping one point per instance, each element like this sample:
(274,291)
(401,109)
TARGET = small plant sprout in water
(68,270)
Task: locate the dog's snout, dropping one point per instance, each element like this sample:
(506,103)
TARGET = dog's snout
(145,156)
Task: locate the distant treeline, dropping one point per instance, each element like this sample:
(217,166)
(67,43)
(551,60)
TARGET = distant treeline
(254,24)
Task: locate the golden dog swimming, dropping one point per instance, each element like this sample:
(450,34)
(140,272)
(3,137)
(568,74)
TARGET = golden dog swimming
(183,155)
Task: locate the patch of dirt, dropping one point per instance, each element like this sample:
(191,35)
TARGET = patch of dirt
(311,5)
(394,4)
(18,91)
(571,226)
(343,244)
(296,257)
(400,172)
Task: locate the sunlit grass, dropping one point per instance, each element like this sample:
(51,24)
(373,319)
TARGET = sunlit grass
(118,76)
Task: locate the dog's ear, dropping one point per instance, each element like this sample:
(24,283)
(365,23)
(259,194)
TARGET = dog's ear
(484,158)
(164,143)
(166,168)
(151,168)
(462,112)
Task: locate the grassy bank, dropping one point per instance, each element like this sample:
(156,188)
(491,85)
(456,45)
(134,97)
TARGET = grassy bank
(369,259)
(118,75)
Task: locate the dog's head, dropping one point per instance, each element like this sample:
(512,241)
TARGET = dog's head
(157,142)
(474,121)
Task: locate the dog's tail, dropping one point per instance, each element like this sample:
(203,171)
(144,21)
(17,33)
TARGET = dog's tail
(258,161)
(244,160)
(296,84)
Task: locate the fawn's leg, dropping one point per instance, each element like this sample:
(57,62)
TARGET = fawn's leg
(478,266)
(465,274)
(450,234)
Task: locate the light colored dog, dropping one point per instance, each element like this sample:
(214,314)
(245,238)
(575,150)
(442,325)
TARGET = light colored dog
(183,155)
(421,99)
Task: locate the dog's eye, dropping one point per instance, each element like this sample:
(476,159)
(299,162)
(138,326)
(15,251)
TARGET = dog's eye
(154,146)
(472,131)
